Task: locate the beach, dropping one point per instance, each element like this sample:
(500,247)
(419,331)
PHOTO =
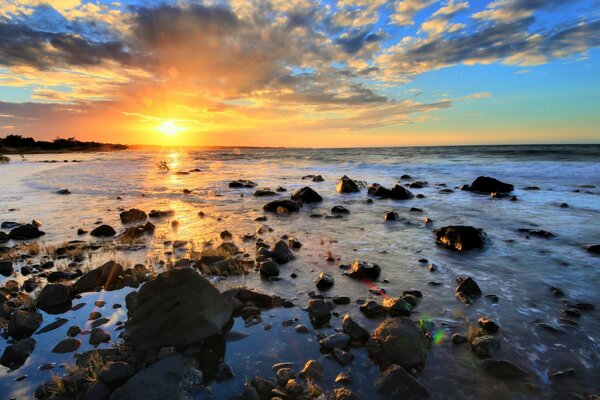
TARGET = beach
(306,272)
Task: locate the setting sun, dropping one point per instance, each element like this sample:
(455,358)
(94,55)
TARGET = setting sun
(169,128)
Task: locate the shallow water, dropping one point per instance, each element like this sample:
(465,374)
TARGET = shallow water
(517,269)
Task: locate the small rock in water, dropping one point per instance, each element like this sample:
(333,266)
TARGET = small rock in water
(318,311)
(343,377)
(396,383)
(502,369)
(364,270)
(458,338)
(461,237)
(347,185)
(325,281)
(372,309)
(356,332)
(67,345)
(485,346)
(312,370)
(488,325)
(99,335)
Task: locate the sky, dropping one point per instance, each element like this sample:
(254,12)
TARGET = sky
(301,73)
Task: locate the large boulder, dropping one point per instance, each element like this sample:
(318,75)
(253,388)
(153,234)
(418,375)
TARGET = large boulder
(17,353)
(398,341)
(485,184)
(347,185)
(133,215)
(23,323)
(307,195)
(54,296)
(173,378)
(282,206)
(108,277)
(24,232)
(103,231)
(177,309)
(364,270)
(461,237)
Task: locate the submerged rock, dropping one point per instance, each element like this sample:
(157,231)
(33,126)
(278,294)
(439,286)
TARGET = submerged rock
(593,248)
(340,210)
(485,184)
(242,183)
(178,308)
(161,213)
(347,185)
(16,354)
(398,341)
(67,345)
(133,215)
(502,369)
(485,346)
(396,383)
(25,232)
(307,195)
(103,231)
(461,237)
(175,377)
(398,192)
(282,206)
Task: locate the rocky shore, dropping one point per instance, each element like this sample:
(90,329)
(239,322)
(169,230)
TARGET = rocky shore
(169,336)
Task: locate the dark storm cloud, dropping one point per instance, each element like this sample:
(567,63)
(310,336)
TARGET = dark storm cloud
(21,45)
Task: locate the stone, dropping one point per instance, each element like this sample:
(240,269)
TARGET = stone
(458,338)
(488,325)
(54,297)
(318,311)
(73,331)
(503,369)
(593,248)
(391,216)
(25,232)
(353,329)
(116,373)
(373,309)
(347,185)
(98,391)
(99,335)
(343,357)
(282,206)
(324,281)
(133,215)
(338,339)
(313,370)
(6,268)
(173,378)
(461,237)
(109,276)
(178,308)
(282,253)
(67,345)
(399,192)
(469,288)
(23,323)
(485,346)
(398,341)
(283,375)
(343,394)
(16,354)
(486,184)
(340,210)
(264,192)
(396,383)
(103,231)
(242,183)
(63,191)
(307,195)
(268,268)
(364,270)
(397,307)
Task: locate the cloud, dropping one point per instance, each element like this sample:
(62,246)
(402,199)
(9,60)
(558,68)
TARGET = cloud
(512,10)
(407,9)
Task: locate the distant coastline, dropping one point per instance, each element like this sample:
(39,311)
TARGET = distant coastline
(17,144)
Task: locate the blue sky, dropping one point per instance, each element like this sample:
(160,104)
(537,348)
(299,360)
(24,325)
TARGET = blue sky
(302,72)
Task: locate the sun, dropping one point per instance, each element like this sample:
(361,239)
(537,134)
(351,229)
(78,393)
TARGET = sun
(169,128)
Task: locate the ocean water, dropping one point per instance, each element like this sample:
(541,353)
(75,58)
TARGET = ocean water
(518,269)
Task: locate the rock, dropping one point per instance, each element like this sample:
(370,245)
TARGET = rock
(264,192)
(458,338)
(373,309)
(398,192)
(537,233)
(397,307)
(556,375)
(364,270)
(469,288)
(283,375)
(488,325)
(242,183)
(343,377)
(172,378)
(356,332)
(593,248)
(282,252)
(338,339)
(502,369)
(133,215)
(67,345)
(294,243)
(25,232)
(23,323)
(263,387)
(54,297)
(161,213)
(325,281)
(485,184)
(391,216)
(58,276)
(340,210)
(318,311)
(347,185)
(178,308)
(396,383)
(115,374)
(293,387)
(343,357)
(63,191)
(6,268)
(73,331)
(461,238)
(340,300)
(135,232)
(312,370)
(109,276)
(485,346)
(377,190)
(97,391)
(343,394)
(103,231)
(268,268)
(282,206)
(16,354)
(398,341)
(99,335)
(306,195)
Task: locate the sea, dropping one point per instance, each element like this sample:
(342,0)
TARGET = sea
(519,268)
